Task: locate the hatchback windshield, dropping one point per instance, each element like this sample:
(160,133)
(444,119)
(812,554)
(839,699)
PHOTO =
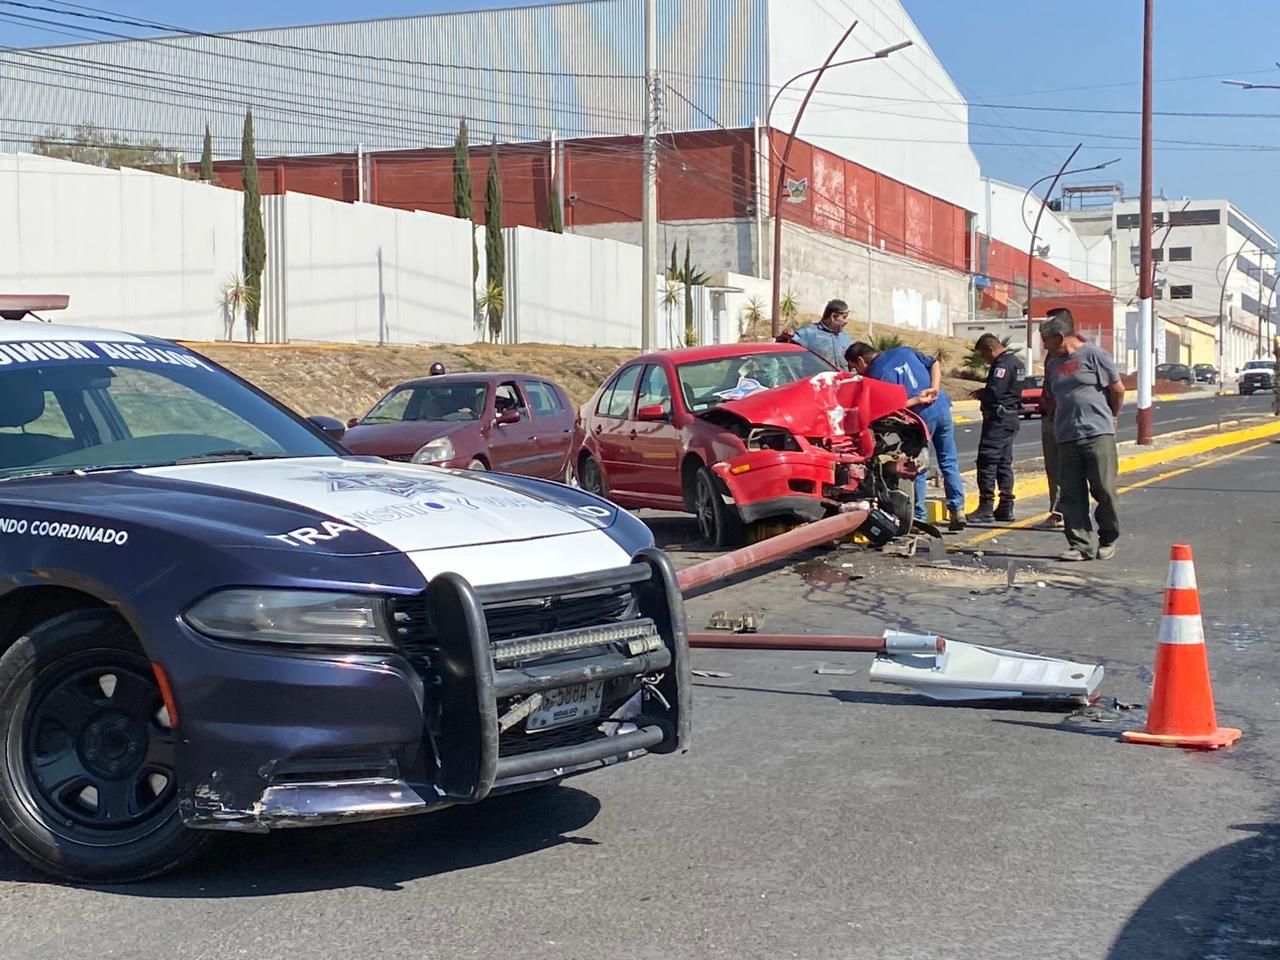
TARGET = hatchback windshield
(707,383)
(434,401)
(91,406)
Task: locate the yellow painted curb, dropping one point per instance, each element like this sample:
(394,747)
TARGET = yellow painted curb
(1038,486)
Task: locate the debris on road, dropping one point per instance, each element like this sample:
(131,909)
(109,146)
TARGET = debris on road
(824,670)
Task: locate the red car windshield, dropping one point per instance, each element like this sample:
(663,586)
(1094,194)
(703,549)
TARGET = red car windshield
(707,383)
(436,401)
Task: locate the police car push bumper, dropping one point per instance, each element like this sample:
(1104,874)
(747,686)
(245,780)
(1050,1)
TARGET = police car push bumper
(398,761)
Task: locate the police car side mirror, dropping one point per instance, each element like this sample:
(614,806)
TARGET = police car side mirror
(332,427)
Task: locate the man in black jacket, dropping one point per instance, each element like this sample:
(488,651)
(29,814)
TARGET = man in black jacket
(999,429)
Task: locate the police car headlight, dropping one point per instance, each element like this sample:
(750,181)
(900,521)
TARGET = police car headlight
(437,451)
(306,617)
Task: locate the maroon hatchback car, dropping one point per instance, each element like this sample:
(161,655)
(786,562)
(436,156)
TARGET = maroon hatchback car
(507,422)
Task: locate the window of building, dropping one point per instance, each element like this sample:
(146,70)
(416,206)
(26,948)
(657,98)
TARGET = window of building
(1195,218)
(1180,254)
(1182,292)
(1131,221)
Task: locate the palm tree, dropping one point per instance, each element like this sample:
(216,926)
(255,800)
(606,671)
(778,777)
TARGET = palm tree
(492,303)
(752,316)
(788,307)
(887,341)
(237,298)
(672,296)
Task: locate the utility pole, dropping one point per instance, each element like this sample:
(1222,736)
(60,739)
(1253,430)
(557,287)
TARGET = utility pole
(1146,276)
(1262,350)
(649,232)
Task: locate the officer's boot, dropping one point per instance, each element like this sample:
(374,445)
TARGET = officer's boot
(1004,512)
(984,513)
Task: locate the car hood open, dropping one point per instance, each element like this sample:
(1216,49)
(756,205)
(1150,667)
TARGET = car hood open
(825,405)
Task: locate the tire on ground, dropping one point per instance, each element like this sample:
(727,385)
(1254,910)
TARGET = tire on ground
(53,657)
(719,523)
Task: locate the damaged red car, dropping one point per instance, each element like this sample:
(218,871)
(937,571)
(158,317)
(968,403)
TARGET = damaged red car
(740,433)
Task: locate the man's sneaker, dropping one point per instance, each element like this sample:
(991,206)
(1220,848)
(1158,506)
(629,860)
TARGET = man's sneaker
(1073,556)
(1107,552)
(1004,512)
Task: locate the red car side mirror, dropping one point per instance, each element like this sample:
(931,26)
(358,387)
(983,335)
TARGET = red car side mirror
(654,412)
(508,416)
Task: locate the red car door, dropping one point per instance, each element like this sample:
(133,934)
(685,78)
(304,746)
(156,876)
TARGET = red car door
(553,429)
(655,440)
(610,424)
(512,444)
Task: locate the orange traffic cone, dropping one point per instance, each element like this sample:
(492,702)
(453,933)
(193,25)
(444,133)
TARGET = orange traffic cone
(1182,713)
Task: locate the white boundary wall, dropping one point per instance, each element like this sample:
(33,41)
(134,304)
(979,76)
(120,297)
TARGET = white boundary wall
(134,250)
(151,254)
(571,290)
(365,274)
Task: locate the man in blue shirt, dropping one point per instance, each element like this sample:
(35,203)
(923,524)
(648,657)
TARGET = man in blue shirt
(921,374)
(826,338)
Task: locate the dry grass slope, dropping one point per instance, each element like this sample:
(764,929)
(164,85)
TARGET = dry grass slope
(344,380)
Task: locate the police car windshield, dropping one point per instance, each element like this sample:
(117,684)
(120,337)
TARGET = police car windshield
(708,383)
(71,406)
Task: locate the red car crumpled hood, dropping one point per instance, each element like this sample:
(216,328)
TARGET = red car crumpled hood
(827,405)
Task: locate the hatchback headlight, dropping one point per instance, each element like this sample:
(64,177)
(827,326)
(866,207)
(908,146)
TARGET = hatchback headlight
(437,451)
(307,617)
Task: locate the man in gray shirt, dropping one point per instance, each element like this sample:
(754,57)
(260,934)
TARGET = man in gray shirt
(1084,394)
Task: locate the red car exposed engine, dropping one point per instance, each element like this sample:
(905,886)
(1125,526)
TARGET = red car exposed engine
(745,432)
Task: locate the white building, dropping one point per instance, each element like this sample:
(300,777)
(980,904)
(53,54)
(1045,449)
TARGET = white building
(1211,260)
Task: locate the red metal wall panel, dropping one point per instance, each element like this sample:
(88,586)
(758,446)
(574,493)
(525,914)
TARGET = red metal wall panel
(964,255)
(919,223)
(891,222)
(799,168)
(944,237)
(602,183)
(827,190)
(706,176)
(860,203)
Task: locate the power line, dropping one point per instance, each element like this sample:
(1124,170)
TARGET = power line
(107,16)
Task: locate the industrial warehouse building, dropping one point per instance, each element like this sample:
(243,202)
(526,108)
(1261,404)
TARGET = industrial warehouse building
(884,204)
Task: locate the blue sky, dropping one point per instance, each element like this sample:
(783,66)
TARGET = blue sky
(1084,55)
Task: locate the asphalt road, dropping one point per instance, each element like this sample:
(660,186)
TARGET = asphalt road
(820,816)
(1167,417)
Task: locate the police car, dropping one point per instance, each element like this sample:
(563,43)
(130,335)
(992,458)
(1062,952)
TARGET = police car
(212,617)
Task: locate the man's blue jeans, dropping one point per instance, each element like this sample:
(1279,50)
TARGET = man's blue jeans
(942,433)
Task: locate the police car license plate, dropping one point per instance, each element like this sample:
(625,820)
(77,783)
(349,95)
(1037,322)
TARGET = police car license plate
(566,705)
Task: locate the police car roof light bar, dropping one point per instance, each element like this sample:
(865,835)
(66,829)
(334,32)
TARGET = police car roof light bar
(16,306)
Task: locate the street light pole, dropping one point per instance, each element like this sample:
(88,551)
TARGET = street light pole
(649,228)
(1146,276)
(1222,300)
(818,72)
(1031,248)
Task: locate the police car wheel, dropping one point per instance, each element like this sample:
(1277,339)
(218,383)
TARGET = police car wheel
(88,781)
(719,523)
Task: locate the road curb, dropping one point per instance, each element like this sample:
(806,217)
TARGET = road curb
(1038,486)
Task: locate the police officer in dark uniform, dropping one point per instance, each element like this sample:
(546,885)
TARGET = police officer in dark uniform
(1000,398)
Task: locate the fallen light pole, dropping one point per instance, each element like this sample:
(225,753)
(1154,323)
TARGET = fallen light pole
(937,668)
(775,548)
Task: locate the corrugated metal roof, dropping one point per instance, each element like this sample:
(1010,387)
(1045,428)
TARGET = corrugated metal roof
(397,83)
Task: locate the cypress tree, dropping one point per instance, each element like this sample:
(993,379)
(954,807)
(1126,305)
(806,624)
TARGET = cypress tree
(255,241)
(495,253)
(689,338)
(463,205)
(555,216)
(206,157)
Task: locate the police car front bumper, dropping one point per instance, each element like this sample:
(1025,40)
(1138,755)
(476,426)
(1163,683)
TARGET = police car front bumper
(273,741)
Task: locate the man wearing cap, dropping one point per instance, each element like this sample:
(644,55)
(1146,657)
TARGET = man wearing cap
(826,338)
